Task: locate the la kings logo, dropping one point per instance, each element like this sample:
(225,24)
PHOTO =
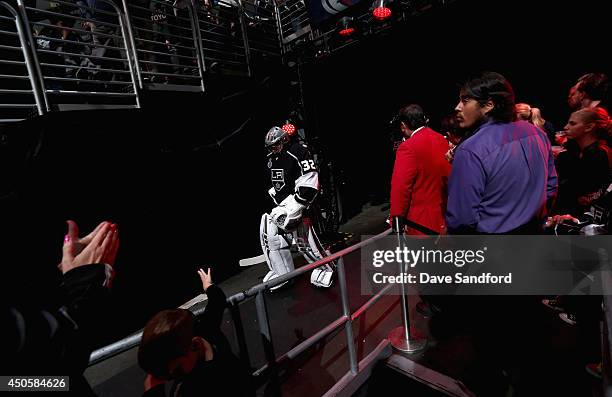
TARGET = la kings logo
(278,178)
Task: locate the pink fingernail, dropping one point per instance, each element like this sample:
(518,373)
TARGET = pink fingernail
(66,238)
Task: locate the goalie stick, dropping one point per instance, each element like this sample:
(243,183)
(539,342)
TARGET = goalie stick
(252,261)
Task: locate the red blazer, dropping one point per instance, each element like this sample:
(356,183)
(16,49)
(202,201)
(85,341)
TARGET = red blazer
(419,181)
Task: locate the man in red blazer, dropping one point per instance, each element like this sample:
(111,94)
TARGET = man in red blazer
(420,173)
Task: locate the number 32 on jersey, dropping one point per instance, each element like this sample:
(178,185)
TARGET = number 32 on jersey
(308,165)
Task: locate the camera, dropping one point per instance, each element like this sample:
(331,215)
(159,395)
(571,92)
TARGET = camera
(395,133)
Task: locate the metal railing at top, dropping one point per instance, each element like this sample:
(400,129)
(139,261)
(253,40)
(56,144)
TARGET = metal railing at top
(164,36)
(294,20)
(262,29)
(71,54)
(19,91)
(225,47)
(274,361)
(81,53)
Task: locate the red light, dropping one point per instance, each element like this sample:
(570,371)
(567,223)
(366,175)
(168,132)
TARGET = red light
(346,32)
(289,129)
(381,13)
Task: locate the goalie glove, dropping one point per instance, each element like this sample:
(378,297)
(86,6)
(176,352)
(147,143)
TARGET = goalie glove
(288,213)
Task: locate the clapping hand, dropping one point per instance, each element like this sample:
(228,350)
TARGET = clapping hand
(99,246)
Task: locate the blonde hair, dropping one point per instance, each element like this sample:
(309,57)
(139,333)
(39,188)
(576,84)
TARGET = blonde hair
(523,111)
(536,118)
(599,117)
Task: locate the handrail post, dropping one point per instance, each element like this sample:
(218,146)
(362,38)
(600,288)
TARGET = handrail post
(132,40)
(32,45)
(240,336)
(197,34)
(279,30)
(245,38)
(34,79)
(266,335)
(130,50)
(346,310)
(400,337)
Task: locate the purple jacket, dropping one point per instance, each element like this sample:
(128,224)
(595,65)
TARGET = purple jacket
(501,179)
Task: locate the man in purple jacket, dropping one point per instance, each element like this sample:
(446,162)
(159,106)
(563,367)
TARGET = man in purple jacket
(503,175)
(502,180)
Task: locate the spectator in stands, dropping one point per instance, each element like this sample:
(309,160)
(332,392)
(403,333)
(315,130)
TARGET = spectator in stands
(210,10)
(192,352)
(450,129)
(453,134)
(591,90)
(502,182)
(533,115)
(64,42)
(59,342)
(72,49)
(492,189)
(161,11)
(420,173)
(99,14)
(589,128)
(103,24)
(544,125)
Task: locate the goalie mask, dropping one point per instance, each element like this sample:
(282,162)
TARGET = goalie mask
(276,138)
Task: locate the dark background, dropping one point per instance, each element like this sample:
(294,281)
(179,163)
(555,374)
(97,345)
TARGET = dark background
(182,201)
(541,47)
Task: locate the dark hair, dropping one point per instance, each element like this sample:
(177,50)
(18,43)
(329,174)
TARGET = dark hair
(494,87)
(594,85)
(413,116)
(449,123)
(166,336)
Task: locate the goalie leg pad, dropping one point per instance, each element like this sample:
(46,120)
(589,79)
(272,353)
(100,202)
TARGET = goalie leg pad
(275,247)
(271,276)
(321,276)
(313,242)
(306,242)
